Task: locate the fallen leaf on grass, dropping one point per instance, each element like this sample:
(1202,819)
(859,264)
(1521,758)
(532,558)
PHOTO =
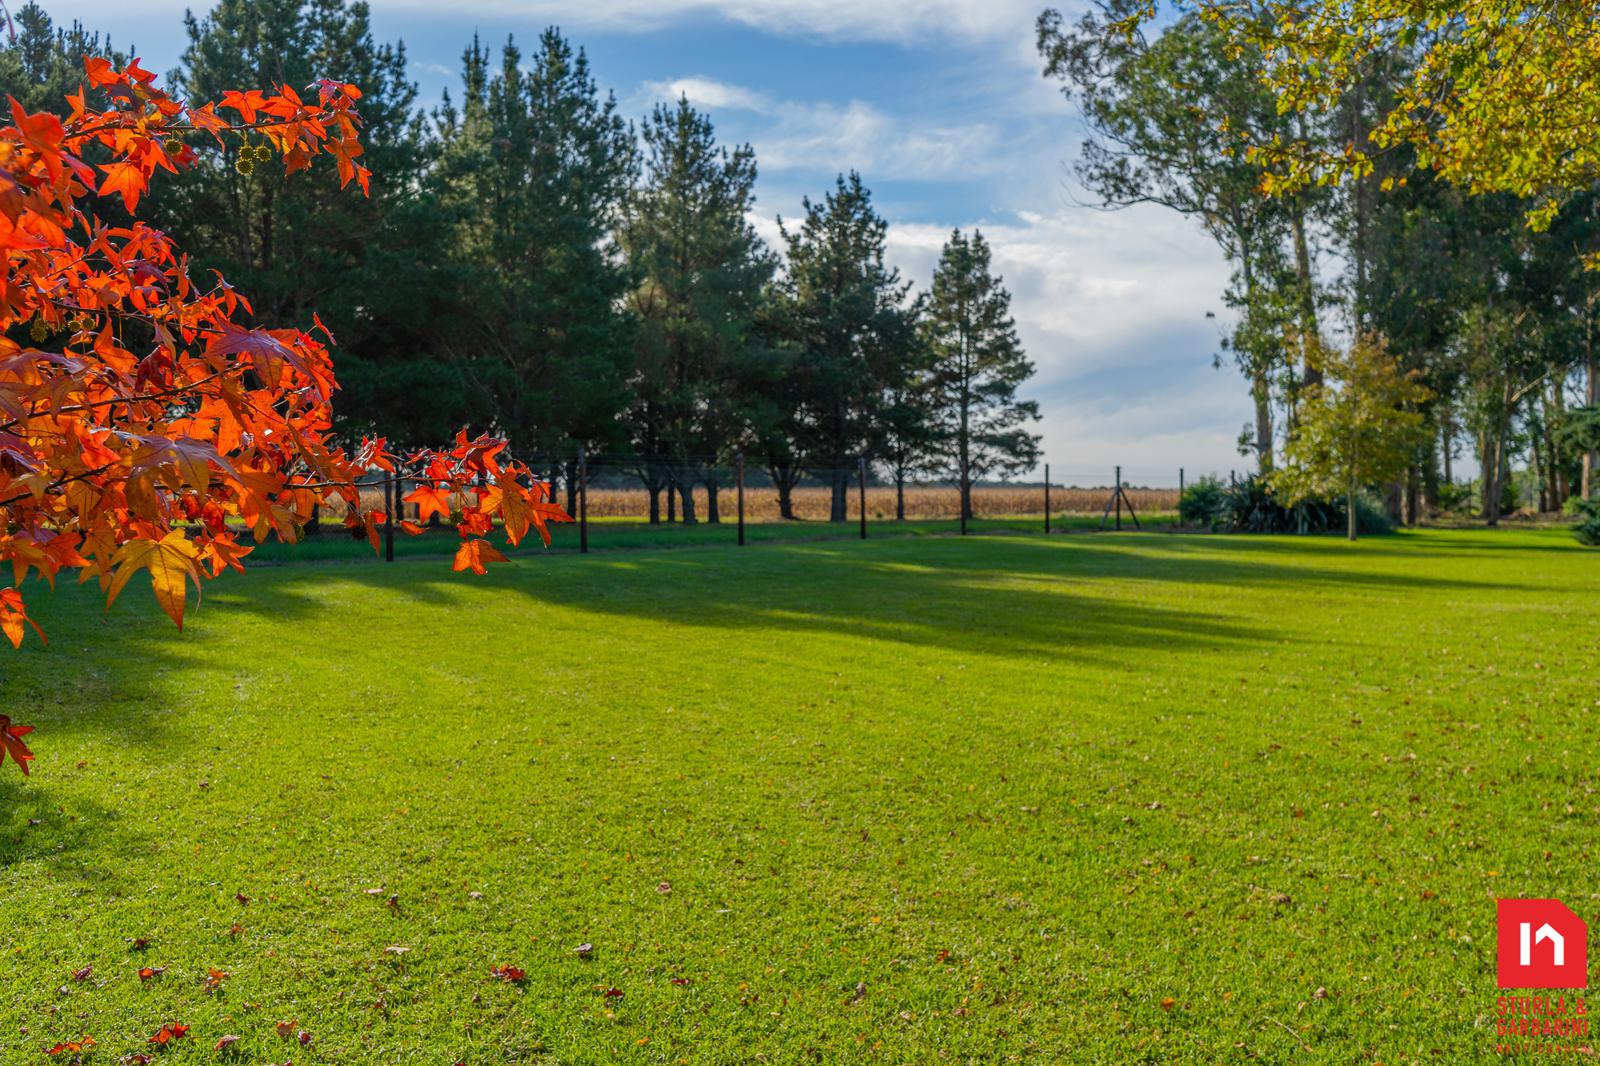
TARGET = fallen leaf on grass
(1168,1003)
(242,899)
(83,1043)
(138,943)
(168,1033)
(395,949)
(861,992)
(225,1042)
(583,951)
(83,974)
(665,888)
(150,973)
(214,979)
(613,993)
(508,974)
(285,1029)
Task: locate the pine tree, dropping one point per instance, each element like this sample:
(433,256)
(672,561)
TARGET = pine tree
(700,269)
(977,365)
(298,244)
(535,168)
(853,335)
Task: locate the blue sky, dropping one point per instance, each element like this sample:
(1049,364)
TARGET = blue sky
(941,107)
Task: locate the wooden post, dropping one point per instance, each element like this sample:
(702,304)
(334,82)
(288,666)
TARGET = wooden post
(861,477)
(391,502)
(1117,499)
(739,478)
(583,502)
(1047,497)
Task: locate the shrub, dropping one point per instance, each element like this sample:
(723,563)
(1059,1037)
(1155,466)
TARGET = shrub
(1201,502)
(1250,506)
(1588,528)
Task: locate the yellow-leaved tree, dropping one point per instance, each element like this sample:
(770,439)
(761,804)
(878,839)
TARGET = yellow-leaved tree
(1357,426)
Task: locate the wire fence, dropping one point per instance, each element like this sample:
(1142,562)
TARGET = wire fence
(737,499)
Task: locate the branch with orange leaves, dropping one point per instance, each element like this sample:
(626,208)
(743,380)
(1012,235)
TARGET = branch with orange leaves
(123,456)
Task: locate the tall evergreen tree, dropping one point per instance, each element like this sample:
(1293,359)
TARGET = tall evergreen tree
(40,63)
(977,364)
(701,270)
(854,336)
(534,172)
(300,244)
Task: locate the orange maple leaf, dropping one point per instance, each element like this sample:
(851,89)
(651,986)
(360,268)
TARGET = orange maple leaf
(429,500)
(476,555)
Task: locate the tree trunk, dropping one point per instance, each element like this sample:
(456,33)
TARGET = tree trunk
(784,478)
(1309,327)
(672,501)
(840,480)
(572,487)
(1592,396)
(1350,510)
(713,508)
(655,503)
(686,493)
(314,526)
(899,496)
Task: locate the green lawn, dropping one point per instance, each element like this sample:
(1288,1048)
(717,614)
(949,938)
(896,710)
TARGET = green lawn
(1120,798)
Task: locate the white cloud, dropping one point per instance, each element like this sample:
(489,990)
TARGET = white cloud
(1111,307)
(801,135)
(877,20)
(709,93)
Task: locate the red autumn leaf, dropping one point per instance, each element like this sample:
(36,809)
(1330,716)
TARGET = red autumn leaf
(150,973)
(83,974)
(476,555)
(225,1042)
(429,501)
(11,743)
(508,974)
(126,180)
(168,1033)
(71,1047)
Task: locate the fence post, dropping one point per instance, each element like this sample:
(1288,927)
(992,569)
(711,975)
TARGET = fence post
(583,502)
(391,501)
(1117,499)
(861,478)
(739,480)
(1047,497)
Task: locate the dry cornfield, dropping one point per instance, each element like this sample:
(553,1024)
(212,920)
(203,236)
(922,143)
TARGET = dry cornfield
(761,502)
(811,502)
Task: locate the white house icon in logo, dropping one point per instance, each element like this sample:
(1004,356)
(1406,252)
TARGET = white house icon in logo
(1546,932)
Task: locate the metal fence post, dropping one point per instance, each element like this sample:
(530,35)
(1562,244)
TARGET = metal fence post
(1118,499)
(1047,497)
(583,502)
(739,481)
(862,481)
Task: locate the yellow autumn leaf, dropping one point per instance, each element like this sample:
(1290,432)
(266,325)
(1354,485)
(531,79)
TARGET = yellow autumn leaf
(172,562)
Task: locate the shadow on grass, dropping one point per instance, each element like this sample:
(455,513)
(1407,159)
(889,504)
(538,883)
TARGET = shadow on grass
(1019,597)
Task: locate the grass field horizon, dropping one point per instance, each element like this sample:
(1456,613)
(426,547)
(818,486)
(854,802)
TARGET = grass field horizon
(1125,798)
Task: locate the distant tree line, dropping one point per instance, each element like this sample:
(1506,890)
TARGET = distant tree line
(528,251)
(1497,321)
